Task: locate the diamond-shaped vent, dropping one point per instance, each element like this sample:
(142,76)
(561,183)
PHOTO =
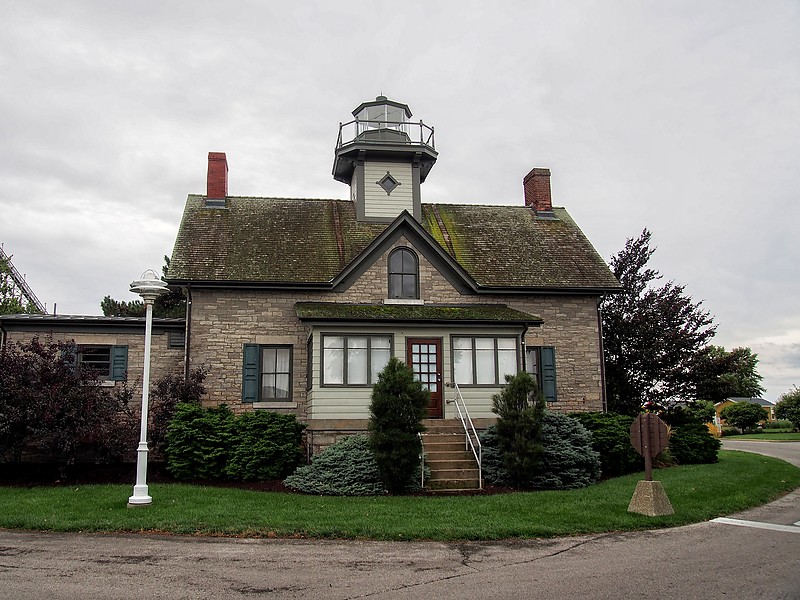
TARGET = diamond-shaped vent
(388,183)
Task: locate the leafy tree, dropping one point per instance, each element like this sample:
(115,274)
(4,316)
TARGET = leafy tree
(651,334)
(719,374)
(170,304)
(49,401)
(743,415)
(10,303)
(692,443)
(520,408)
(788,407)
(698,412)
(399,403)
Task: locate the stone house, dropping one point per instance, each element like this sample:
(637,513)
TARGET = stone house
(295,305)
(111,346)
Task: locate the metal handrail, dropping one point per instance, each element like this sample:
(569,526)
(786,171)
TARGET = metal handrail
(469,430)
(361,126)
(421,461)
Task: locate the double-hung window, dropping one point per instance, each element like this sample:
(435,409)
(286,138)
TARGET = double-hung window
(484,360)
(403,274)
(267,373)
(109,363)
(354,359)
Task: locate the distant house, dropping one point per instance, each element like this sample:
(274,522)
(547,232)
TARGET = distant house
(296,305)
(769,409)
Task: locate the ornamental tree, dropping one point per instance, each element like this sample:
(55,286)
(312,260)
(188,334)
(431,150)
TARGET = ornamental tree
(743,415)
(651,334)
(399,403)
(520,408)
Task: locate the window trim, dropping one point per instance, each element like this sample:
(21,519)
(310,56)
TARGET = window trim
(390,273)
(545,374)
(369,337)
(117,361)
(497,375)
(259,373)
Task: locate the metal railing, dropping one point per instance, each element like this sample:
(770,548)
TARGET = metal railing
(421,462)
(472,441)
(380,132)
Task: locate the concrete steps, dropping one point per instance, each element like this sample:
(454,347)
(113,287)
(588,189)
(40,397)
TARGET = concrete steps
(452,465)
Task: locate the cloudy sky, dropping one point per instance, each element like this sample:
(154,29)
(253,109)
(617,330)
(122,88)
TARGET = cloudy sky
(679,116)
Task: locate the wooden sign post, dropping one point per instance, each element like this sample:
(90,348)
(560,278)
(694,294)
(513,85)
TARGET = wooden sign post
(649,436)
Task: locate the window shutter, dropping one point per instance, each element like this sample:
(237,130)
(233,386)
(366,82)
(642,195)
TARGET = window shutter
(549,373)
(250,373)
(119,363)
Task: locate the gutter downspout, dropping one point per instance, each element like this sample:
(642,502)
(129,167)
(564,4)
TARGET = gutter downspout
(188,336)
(603,397)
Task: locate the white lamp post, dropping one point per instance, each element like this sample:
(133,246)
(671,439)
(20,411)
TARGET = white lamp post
(149,287)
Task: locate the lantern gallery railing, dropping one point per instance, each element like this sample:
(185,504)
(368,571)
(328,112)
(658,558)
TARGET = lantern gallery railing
(382,132)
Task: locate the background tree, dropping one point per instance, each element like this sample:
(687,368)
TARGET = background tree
(172,304)
(520,408)
(10,303)
(651,334)
(743,415)
(788,407)
(720,375)
(399,403)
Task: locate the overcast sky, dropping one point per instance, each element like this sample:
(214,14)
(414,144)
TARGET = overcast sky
(682,117)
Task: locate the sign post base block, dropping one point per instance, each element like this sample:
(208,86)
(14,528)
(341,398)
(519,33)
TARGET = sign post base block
(650,499)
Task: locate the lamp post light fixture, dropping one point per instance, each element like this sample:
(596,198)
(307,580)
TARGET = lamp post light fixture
(149,287)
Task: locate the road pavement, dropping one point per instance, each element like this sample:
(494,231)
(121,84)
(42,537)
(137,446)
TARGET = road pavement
(705,560)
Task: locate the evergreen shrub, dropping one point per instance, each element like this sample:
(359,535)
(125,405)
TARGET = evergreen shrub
(265,445)
(692,443)
(346,468)
(399,403)
(198,441)
(567,460)
(611,439)
(520,409)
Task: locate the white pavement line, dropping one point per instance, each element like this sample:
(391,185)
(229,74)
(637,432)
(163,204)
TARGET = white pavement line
(758,525)
(797,523)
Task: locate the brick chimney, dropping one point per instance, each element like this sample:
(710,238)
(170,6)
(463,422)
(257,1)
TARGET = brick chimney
(217,181)
(537,190)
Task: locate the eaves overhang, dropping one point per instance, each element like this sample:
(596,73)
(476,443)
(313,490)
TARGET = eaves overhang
(475,314)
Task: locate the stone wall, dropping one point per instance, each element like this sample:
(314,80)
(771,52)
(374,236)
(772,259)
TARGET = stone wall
(222,321)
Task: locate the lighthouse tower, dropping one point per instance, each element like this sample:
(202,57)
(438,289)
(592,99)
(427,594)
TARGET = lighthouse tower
(384,157)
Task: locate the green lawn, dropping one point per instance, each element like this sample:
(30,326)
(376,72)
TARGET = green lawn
(769,437)
(697,493)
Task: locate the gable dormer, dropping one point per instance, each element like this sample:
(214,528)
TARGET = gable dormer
(384,157)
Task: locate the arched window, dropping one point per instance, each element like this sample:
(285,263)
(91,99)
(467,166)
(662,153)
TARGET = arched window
(403,274)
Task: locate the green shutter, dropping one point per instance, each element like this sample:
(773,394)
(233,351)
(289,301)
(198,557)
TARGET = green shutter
(250,373)
(119,363)
(549,373)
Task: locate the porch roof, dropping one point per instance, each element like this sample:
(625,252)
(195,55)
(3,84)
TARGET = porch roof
(495,314)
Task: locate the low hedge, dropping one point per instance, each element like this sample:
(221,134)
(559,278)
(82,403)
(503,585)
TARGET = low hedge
(213,443)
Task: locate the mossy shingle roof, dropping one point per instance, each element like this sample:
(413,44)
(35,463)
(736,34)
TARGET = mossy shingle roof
(300,241)
(483,313)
